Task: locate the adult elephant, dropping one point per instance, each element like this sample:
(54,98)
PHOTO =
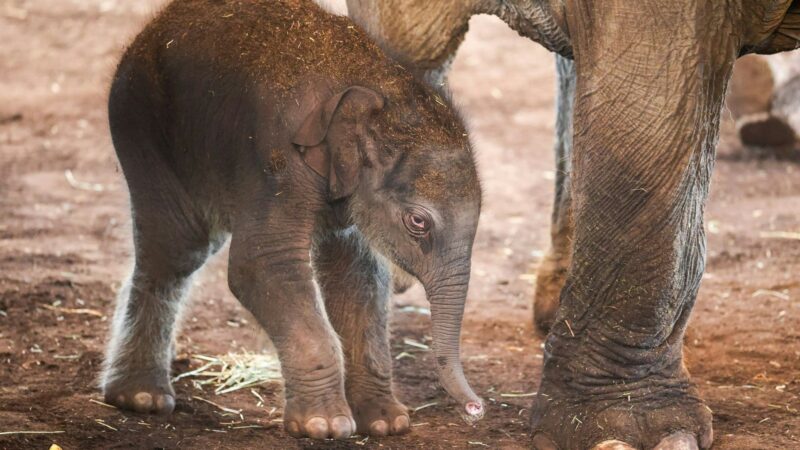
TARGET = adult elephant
(643,83)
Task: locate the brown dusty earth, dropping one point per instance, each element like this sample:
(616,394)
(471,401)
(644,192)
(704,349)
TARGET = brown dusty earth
(65,245)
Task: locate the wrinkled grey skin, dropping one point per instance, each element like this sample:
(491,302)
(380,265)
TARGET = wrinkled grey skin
(322,168)
(642,95)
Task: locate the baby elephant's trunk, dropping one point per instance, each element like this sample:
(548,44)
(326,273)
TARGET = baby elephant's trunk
(447,296)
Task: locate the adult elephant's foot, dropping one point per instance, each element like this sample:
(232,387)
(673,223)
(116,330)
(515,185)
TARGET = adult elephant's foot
(550,279)
(664,421)
(667,417)
(607,403)
(142,391)
(675,441)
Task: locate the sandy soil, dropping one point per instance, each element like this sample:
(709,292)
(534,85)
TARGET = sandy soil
(68,244)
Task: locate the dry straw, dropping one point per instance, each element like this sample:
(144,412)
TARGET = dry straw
(233,372)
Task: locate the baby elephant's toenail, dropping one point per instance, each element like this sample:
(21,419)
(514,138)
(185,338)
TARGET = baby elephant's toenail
(143,402)
(401,424)
(293,429)
(341,427)
(165,404)
(317,428)
(379,428)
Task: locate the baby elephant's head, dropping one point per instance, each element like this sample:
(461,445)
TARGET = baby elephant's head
(406,172)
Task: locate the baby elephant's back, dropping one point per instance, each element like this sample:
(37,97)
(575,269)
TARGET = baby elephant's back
(272,43)
(203,75)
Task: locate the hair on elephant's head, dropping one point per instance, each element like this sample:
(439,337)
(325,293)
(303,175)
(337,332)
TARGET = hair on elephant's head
(404,168)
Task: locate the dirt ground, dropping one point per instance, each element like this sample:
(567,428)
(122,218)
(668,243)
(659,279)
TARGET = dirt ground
(65,245)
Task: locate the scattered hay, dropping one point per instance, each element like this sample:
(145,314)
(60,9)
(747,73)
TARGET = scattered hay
(8,433)
(517,394)
(97,402)
(404,355)
(529,277)
(569,328)
(79,311)
(416,309)
(421,407)
(82,185)
(234,371)
(101,422)
(261,401)
(780,235)
(218,406)
(771,293)
(415,344)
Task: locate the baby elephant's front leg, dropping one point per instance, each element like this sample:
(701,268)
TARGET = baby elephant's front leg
(274,281)
(356,286)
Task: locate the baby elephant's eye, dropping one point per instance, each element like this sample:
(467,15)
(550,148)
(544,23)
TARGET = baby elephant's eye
(417,221)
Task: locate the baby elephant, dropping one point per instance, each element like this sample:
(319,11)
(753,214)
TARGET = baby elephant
(287,129)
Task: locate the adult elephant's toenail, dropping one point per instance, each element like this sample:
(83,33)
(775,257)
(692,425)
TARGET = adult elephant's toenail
(613,445)
(542,442)
(317,428)
(678,441)
(379,428)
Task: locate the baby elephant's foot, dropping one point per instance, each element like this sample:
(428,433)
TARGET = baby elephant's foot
(318,417)
(143,393)
(380,415)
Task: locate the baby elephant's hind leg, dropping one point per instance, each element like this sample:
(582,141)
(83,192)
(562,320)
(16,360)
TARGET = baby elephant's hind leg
(356,286)
(552,273)
(169,248)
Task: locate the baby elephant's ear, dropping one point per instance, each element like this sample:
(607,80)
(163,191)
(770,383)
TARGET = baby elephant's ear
(330,136)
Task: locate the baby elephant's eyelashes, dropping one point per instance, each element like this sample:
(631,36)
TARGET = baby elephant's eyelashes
(417,221)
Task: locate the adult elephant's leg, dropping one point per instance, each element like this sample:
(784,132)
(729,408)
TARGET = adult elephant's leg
(426,34)
(421,33)
(646,122)
(553,269)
